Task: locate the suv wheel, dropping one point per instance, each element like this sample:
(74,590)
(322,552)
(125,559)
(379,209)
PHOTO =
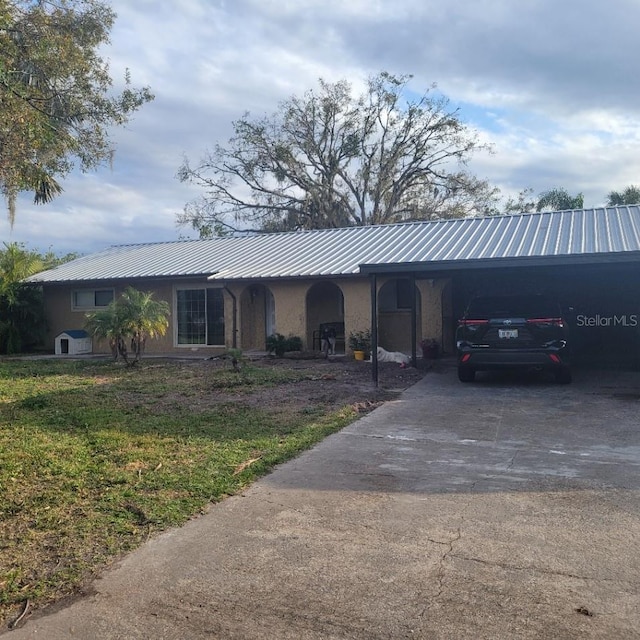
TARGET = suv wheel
(466,374)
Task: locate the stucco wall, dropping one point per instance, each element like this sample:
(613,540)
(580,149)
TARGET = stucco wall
(61,316)
(357,305)
(60,313)
(296,313)
(291,311)
(251,316)
(435,303)
(431,297)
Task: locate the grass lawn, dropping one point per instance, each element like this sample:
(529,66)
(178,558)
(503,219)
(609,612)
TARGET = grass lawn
(95,457)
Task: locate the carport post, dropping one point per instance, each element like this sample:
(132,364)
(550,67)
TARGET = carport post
(414,322)
(374,328)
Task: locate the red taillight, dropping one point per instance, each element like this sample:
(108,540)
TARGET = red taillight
(555,358)
(557,322)
(464,323)
(465,357)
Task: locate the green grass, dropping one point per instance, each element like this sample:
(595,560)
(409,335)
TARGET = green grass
(95,457)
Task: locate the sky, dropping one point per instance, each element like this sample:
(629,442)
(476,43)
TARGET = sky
(551,85)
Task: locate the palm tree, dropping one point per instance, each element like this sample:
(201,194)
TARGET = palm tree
(134,317)
(143,318)
(105,325)
(21,309)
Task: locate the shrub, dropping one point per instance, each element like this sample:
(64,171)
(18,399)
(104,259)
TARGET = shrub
(279,345)
(293,343)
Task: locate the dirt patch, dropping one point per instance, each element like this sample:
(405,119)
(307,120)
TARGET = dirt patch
(335,382)
(308,384)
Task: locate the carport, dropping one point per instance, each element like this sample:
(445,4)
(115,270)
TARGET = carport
(589,260)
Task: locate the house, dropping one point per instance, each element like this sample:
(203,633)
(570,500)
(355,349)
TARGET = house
(406,281)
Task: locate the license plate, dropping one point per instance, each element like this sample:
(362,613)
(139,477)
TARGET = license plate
(507,333)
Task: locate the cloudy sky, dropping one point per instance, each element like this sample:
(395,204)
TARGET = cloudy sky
(551,84)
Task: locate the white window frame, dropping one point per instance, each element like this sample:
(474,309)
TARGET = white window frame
(92,292)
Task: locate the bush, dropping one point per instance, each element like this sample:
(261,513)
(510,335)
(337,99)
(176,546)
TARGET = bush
(278,344)
(293,343)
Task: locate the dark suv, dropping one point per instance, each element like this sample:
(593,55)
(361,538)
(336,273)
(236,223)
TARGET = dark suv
(512,332)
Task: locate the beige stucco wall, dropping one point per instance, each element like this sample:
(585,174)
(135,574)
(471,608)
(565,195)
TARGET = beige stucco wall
(297,313)
(436,309)
(60,313)
(357,305)
(431,295)
(395,327)
(251,315)
(61,316)
(291,312)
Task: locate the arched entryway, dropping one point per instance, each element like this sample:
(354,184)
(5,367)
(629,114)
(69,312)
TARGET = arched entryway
(257,316)
(394,315)
(325,304)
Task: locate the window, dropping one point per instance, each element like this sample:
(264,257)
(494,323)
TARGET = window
(200,316)
(395,295)
(91,298)
(403,294)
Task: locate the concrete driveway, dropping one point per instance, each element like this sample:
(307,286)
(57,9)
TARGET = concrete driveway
(508,508)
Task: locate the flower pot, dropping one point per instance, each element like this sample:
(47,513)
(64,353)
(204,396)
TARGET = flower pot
(359,355)
(430,352)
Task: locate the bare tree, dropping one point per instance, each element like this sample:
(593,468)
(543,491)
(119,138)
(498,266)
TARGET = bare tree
(332,159)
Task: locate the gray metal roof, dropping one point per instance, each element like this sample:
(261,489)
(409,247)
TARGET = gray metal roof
(588,233)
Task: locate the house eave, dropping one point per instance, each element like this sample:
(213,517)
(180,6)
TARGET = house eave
(499,263)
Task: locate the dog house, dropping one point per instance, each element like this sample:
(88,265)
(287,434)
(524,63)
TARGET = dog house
(73,342)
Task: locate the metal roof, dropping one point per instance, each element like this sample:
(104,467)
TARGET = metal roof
(600,233)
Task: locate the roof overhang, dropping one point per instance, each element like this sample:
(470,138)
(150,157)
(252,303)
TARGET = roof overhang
(101,281)
(500,263)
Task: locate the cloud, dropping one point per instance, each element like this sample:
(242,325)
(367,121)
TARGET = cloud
(550,84)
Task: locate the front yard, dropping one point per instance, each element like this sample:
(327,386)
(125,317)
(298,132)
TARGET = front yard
(95,457)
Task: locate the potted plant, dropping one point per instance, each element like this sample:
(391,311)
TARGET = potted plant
(430,348)
(360,343)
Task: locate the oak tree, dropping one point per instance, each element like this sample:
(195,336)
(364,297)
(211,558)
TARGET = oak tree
(330,158)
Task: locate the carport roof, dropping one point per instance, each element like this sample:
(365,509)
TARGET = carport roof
(589,235)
